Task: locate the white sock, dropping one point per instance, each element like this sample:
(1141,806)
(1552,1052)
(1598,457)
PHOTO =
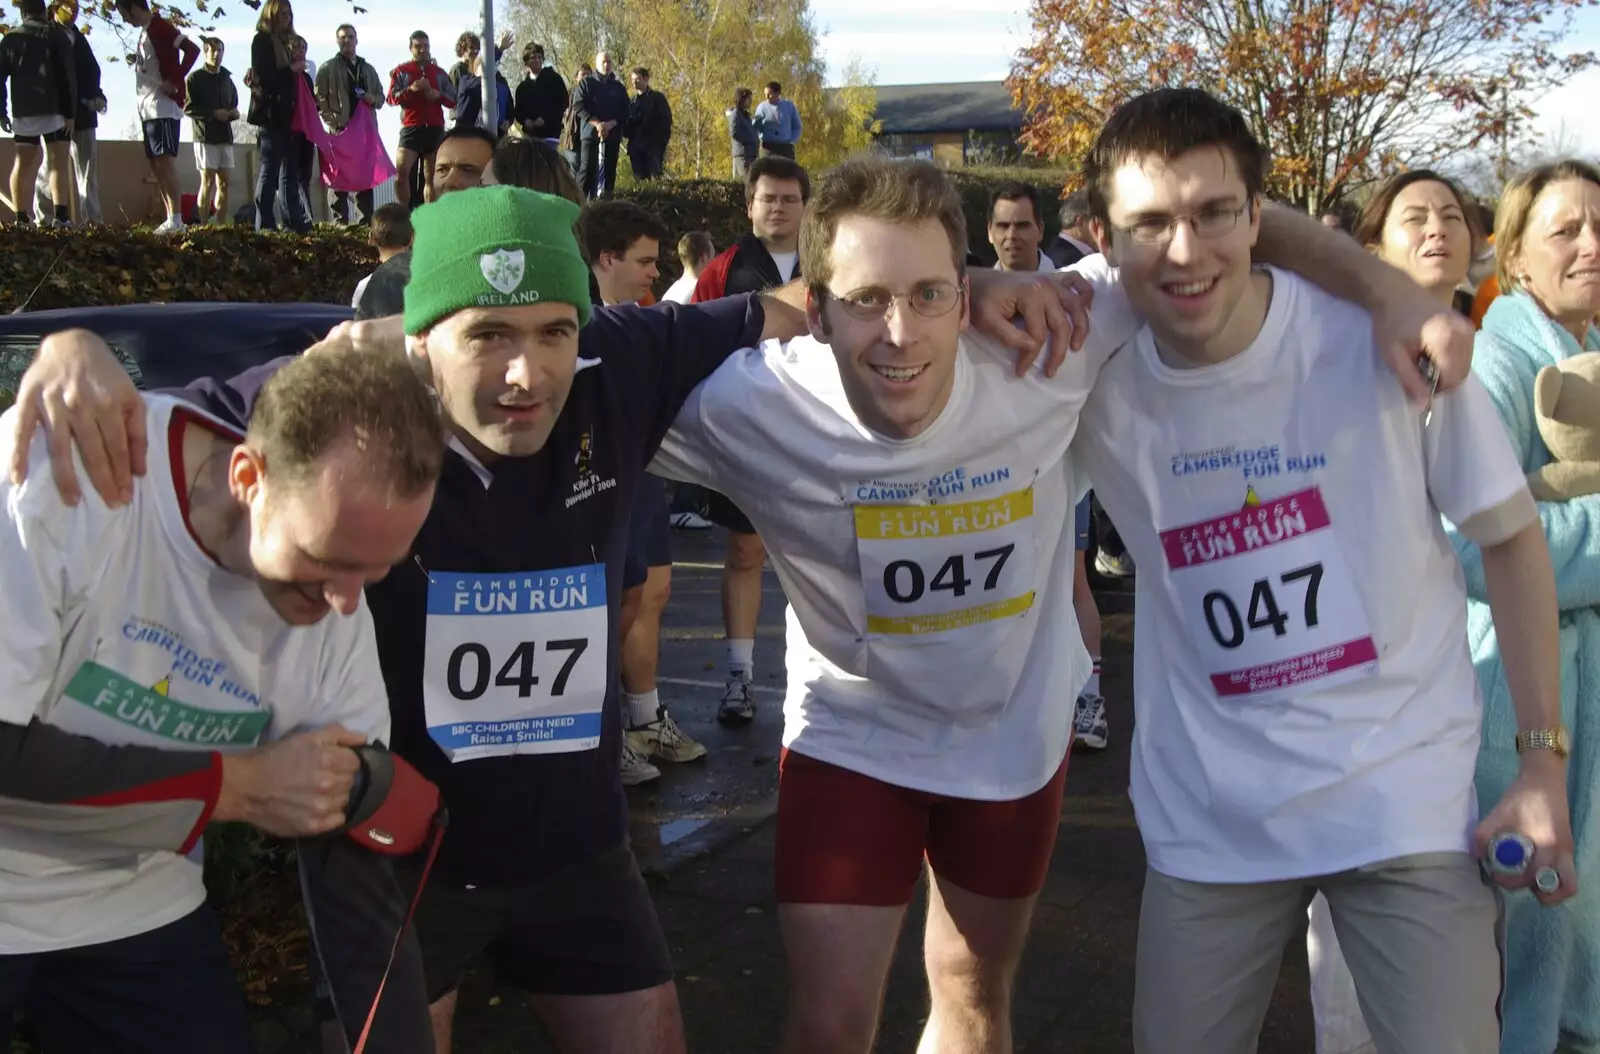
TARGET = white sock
(1093,687)
(742,657)
(644,708)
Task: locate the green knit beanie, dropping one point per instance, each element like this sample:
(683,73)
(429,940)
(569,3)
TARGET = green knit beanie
(493,247)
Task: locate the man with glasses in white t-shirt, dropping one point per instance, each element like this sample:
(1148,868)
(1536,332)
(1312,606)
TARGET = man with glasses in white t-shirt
(1307,713)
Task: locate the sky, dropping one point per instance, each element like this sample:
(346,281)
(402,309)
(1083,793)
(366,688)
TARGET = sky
(904,41)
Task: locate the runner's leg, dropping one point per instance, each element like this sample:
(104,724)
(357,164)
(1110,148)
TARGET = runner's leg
(647,1022)
(838,965)
(988,860)
(849,853)
(971,948)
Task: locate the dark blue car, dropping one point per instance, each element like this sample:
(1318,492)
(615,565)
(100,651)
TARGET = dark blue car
(169,345)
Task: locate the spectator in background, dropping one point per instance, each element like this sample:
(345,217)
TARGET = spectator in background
(1076,239)
(776,191)
(345,82)
(91,104)
(1016,229)
(469,100)
(601,103)
(212,106)
(162,61)
(304,152)
(649,128)
(695,250)
(36,60)
(742,133)
(274,87)
(572,122)
(422,91)
(467,45)
(391,235)
(777,123)
(541,97)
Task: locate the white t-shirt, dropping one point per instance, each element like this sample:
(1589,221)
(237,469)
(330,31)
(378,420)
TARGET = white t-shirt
(1046,265)
(361,287)
(931,637)
(120,627)
(154,102)
(681,291)
(1293,489)
(786,263)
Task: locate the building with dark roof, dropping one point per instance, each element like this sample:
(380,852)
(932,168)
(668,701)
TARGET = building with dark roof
(953,125)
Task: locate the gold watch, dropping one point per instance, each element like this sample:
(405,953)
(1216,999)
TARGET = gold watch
(1556,740)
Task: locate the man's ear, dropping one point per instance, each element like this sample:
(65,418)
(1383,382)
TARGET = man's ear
(1102,238)
(247,473)
(816,317)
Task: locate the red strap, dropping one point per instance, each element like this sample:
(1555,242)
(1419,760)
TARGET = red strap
(422,883)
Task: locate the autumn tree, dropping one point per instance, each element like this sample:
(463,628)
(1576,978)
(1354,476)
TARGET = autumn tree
(698,53)
(1340,91)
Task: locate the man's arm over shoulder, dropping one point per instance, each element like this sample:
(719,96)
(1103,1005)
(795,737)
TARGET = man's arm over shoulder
(673,347)
(230,400)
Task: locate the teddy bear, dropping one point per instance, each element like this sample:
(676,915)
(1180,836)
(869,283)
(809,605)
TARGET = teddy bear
(1566,404)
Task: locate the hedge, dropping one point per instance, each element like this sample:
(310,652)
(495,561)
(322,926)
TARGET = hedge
(54,268)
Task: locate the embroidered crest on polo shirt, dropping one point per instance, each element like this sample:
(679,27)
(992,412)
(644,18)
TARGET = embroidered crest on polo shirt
(503,269)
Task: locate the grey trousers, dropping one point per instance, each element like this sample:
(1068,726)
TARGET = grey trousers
(1419,933)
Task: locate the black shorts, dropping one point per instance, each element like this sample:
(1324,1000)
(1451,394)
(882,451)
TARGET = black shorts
(423,139)
(166,990)
(60,135)
(589,930)
(724,513)
(649,532)
(161,137)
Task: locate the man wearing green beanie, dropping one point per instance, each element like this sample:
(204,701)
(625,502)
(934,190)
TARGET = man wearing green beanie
(499,638)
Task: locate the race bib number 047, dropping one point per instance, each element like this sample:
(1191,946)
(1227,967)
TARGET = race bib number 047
(1268,598)
(516,663)
(932,568)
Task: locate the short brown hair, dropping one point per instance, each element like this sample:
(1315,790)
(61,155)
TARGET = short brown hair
(695,248)
(1516,205)
(212,43)
(1168,123)
(1374,214)
(774,167)
(467,44)
(391,226)
(613,227)
(878,186)
(371,398)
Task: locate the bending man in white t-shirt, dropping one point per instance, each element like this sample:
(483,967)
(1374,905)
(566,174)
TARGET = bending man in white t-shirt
(1307,713)
(914,495)
(168,664)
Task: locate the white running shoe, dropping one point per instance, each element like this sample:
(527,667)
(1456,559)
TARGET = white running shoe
(663,739)
(636,768)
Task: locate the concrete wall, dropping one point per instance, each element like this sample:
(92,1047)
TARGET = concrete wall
(128,191)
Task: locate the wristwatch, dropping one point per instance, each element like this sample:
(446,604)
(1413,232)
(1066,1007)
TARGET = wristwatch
(1556,740)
